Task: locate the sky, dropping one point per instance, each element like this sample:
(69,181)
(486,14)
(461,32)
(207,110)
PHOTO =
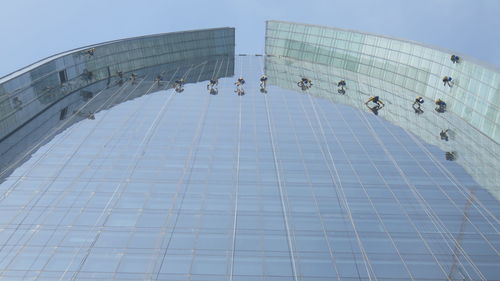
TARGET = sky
(34,29)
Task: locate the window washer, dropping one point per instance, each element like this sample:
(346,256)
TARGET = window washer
(178,85)
(212,83)
(417,105)
(133,78)
(304,83)
(378,104)
(341,84)
(239,82)
(179,82)
(263,81)
(90,52)
(158,80)
(375,100)
(440,106)
(447,81)
(120,75)
(444,135)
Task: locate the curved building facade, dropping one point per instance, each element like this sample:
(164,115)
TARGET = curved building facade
(398,71)
(111,171)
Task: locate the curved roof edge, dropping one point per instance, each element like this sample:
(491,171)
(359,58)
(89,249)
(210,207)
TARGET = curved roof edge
(29,67)
(469,58)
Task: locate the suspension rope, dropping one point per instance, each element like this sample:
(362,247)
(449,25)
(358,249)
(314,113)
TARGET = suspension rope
(323,226)
(235,218)
(281,192)
(335,176)
(187,171)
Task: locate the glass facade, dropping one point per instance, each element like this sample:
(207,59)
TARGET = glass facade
(136,180)
(410,67)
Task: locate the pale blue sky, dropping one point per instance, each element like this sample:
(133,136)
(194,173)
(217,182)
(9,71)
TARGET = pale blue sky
(34,29)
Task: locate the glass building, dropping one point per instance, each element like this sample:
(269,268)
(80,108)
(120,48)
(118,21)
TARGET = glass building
(119,162)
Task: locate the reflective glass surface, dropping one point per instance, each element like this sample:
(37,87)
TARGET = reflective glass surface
(280,184)
(412,68)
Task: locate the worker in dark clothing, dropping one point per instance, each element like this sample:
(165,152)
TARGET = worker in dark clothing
(179,82)
(341,84)
(440,106)
(444,135)
(263,81)
(455,59)
(417,105)
(90,52)
(378,104)
(133,78)
(120,76)
(158,80)
(375,100)
(239,83)
(212,83)
(447,81)
(179,85)
(305,83)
